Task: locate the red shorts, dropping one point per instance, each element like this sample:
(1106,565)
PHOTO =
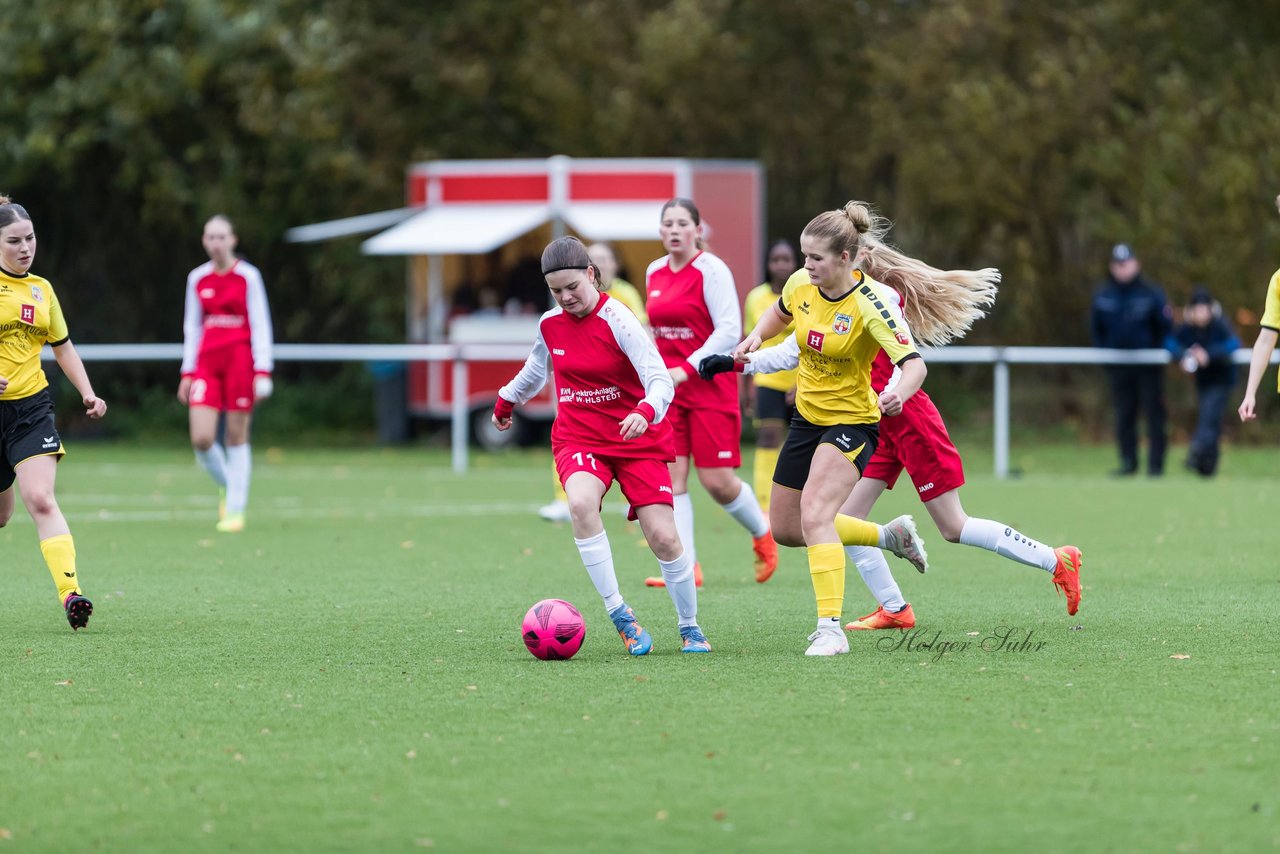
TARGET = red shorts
(712,437)
(643,480)
(223,379)
(918,441)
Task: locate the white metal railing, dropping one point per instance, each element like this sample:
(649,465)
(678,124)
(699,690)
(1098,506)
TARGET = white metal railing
(1000,358)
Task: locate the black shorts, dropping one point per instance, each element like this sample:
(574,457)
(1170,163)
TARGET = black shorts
(26,431)
(856,441)
(771,405)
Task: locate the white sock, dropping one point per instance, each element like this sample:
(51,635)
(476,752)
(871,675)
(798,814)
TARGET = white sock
(829,624)
(239,465)
(214,461)
(746,509)
(678,574)
(683,506)
(597,557)
(1006,542)
(876,574)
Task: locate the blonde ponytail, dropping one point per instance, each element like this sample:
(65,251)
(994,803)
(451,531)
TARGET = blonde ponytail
(939,305)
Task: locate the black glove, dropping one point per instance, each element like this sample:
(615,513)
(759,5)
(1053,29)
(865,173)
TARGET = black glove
(712,365)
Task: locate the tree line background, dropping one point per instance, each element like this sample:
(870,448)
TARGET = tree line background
(1024,136)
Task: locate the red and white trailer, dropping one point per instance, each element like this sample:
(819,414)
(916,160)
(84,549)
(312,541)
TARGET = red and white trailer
(465,218)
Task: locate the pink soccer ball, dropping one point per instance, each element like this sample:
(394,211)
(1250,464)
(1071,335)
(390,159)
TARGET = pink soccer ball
(553,630)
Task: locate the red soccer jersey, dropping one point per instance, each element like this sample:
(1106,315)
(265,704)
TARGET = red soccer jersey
(694,313)
(225,310)
(604,366)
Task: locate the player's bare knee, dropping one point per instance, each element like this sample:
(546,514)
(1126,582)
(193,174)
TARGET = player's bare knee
(202,442)
(583,509)
(41,503)
(665,544)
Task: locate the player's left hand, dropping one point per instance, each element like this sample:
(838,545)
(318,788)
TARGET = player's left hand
(890,403)
(262,387)
(633,426)
(95,407)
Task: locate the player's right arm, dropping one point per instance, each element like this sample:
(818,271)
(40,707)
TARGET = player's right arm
(527,382)
(192,334)
(1262,349)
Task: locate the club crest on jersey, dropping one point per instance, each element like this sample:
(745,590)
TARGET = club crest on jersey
(841,324)
(37,294)
(27,314)
(815,340)
(902,338)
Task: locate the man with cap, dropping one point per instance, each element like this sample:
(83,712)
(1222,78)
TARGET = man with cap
(1130,312)
(1204,344)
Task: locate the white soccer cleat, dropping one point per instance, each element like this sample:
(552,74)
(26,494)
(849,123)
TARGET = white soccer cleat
(828,642)
(556,511)
(904,541)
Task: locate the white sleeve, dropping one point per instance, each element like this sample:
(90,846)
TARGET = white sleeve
(260,334)
(721,297)
(532,377)
(644,356)
(779,357)
(192,326)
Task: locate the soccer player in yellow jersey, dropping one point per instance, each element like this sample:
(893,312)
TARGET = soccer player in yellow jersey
(774,394)
(843,319)
(30,447)
(1263,347)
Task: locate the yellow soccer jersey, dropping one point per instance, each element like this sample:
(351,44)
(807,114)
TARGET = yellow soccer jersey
(839,339)
(626,293)
(1271,314)
(758,302)
(30,317)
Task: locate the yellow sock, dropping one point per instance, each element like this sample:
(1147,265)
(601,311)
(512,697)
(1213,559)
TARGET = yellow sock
(555,477)
(762,474)
(60,553)
(857,532)
(826,569)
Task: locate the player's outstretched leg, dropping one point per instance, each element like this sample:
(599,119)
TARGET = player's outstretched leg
(882,619)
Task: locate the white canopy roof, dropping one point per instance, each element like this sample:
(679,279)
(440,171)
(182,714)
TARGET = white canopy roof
(458,229)
(614,220)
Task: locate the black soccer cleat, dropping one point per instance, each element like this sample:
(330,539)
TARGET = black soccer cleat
(78,609)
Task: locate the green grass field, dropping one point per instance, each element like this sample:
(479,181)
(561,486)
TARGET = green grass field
(347,674)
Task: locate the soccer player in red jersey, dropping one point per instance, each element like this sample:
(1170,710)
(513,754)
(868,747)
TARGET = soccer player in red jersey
(30,317)
(613,393)
(694,312)
(226,364)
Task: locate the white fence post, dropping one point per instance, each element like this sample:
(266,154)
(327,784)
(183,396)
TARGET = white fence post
(1001,405)
(460,431)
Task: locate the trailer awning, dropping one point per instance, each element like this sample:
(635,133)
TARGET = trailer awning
(614,220)
(458,229)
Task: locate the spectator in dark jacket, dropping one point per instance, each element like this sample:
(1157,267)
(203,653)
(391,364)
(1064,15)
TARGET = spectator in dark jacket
(1130,312)
(1205,344)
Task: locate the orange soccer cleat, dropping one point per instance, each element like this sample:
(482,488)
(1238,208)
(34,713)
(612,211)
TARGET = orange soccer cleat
(766,556)
(658,581)
(882,619)
(1067,575)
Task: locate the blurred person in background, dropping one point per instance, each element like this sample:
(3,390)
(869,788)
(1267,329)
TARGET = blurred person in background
(694,312)
(1205,344)
(30,448)
(614,392)
(1130,312)
(770,397)
(226,364)
(1263,346)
